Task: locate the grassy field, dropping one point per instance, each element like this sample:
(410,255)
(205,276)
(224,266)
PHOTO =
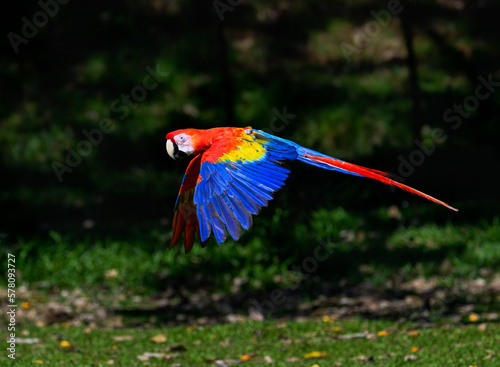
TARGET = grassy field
(389,292)
(322,342)
(375,246)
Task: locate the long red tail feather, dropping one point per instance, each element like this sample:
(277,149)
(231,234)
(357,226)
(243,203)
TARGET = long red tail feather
(374,174)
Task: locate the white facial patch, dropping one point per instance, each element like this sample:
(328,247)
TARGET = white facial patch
(183,142)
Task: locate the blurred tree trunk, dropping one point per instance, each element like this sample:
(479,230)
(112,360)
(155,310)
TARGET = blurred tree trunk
(407,27)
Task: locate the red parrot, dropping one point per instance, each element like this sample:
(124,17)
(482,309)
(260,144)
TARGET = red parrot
(234,173)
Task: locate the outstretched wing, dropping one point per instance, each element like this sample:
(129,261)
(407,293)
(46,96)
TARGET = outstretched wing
(238,175)
(185,220)
(323,161)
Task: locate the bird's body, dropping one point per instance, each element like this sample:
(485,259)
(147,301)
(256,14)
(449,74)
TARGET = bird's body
(234,173)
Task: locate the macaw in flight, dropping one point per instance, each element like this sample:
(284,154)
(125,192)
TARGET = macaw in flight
(234,173)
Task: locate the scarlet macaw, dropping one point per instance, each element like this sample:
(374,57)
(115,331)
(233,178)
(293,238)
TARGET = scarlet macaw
(234,173)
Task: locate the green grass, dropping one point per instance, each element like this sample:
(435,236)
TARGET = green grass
(381,245)
(286,343)
(371,247)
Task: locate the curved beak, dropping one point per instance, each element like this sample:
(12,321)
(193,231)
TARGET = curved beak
(173,150)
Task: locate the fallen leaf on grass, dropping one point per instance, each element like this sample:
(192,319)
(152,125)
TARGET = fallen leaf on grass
(316,354)
(160,338)
(410,357)
(415,349)
(147,355)
(383,333)
(247,357)
(336,329)
(120,338)
(268,359)
(491,354)
(226,362)
(65,344)
(327,318)
(473,317)
(111,274)
(413,333)
(352,336)
(27,340)
(256,315)
(235,318)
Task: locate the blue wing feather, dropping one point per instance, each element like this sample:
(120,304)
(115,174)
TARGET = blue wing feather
(259,195)
(217,225)
(229,191)
(265,178)
(264,184)
(232,225)
(246,200)
(204,221)
(242,215)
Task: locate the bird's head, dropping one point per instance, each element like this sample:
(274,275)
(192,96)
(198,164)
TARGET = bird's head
(183,143)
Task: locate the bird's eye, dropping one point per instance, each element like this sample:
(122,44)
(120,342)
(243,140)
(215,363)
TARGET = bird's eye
(181,137)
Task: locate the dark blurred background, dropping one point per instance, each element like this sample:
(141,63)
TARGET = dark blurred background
(374,83)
